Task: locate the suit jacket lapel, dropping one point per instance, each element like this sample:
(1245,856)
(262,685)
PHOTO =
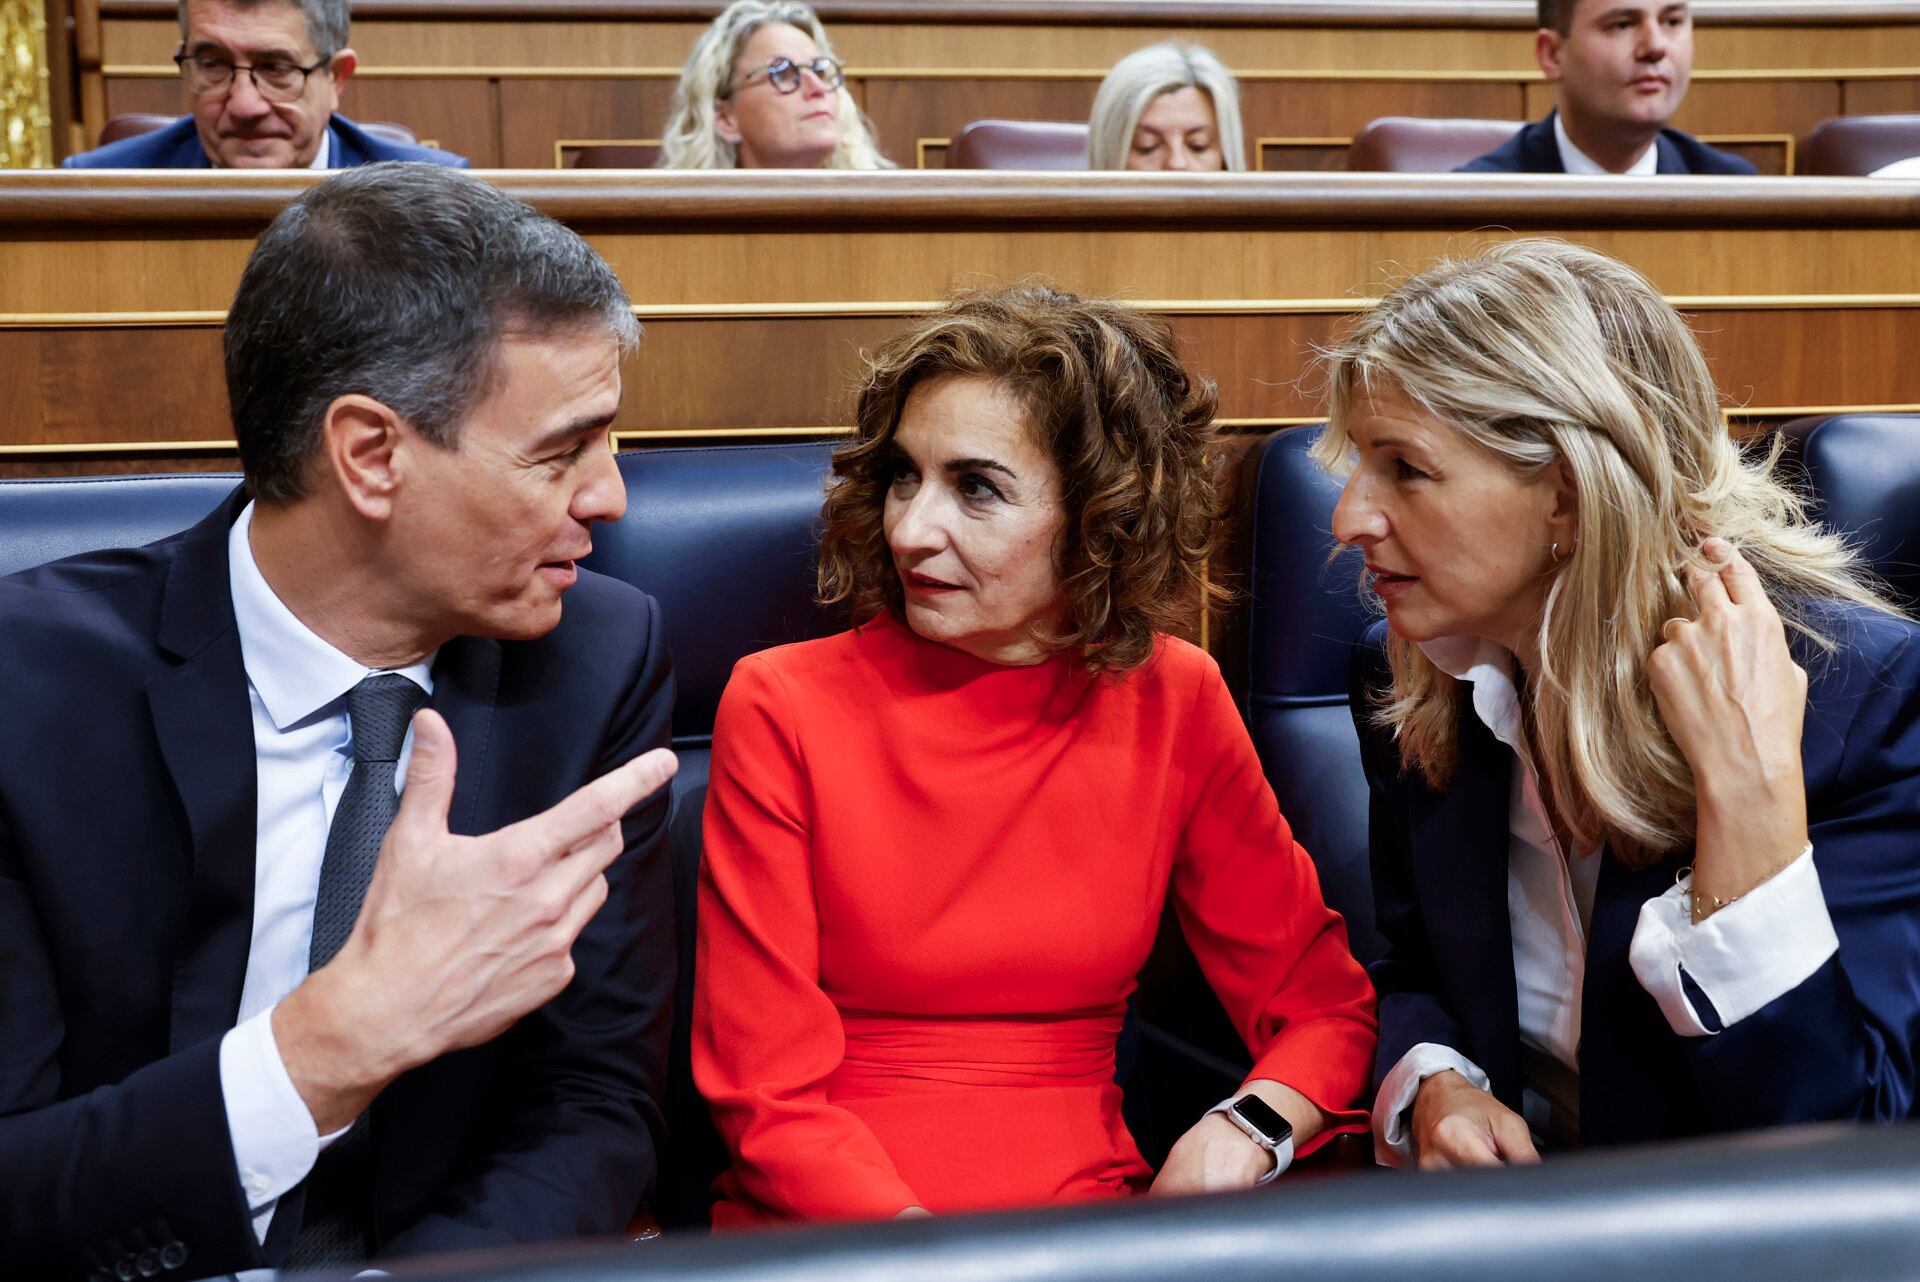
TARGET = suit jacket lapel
(1671,161)
(1541,148)
(1460,842)
(1625,1042)
(203,724)
(466,682)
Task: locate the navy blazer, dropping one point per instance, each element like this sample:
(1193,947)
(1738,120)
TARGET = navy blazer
(127,827)
(1534,150)
(1839,1046)
(178,147)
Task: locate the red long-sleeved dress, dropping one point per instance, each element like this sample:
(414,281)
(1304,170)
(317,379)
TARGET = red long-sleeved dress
(929,883)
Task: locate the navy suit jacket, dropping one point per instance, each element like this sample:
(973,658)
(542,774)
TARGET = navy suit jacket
(127,828)
(178,147)
(1535,151)
(1839,1046)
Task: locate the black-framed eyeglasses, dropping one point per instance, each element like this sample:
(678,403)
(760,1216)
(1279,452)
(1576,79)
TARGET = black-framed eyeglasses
(275,79)
(784,74)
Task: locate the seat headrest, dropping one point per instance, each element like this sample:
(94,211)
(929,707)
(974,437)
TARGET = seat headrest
(1864,473)
(1306,610)
(1416,145)
(725,538)
(1019,144)
(1858,145)
(44,520)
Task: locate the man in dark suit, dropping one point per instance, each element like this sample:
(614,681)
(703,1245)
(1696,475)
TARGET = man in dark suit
(264,80)
(1622,67)
(230,1037)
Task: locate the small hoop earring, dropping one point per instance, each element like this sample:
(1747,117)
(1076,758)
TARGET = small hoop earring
(1555,551)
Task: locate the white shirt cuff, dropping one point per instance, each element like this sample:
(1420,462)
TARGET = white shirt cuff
(274,1140)
(1755,950)
(1392,1140)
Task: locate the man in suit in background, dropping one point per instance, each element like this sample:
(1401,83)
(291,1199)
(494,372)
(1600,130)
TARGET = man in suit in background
(1622,67)
(264,78)
(229,1037)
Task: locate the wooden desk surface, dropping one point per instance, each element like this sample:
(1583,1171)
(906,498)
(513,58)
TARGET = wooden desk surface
(758,291)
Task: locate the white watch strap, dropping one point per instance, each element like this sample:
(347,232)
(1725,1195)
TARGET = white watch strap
(1282,1152)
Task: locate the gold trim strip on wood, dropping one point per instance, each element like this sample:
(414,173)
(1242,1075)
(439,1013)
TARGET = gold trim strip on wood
(895,308)
(106,449)
(723,433)
(920,146)
(479,71)
(1803,411)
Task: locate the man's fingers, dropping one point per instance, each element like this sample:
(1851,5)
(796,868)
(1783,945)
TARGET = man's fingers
(429,790)
(604,801)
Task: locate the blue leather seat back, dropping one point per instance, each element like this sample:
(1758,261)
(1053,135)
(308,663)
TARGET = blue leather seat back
(44,520)
(725,538)
(1864,473)
(1304,613)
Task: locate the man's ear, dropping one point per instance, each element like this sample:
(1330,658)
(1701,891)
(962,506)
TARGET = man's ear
(724,124)
(1546,51)
(361,441)
(344,64)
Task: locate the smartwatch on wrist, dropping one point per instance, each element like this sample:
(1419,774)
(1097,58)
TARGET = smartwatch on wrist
(1259,1122)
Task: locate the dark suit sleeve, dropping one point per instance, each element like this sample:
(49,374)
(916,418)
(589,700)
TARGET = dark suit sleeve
(1841,1044)
(143,1165)
(580,1151)
(1412,1008)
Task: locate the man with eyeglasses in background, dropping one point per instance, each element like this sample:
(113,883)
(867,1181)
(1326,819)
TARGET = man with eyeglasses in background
(264,78)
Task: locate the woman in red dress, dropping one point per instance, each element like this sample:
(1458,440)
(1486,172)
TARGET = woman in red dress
(937,846)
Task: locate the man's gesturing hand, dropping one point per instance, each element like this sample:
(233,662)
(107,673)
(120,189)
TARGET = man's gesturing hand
(1456,1124)
(458,936)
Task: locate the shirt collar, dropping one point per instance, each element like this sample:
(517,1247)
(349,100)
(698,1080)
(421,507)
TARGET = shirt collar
(1575,161)
(324,152)
(1489,668)
(295,673)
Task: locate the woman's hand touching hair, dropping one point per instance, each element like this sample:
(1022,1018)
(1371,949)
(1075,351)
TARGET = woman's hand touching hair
(1734,701)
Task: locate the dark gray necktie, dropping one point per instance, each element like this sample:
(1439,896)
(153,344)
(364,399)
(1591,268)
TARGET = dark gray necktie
(333,1229)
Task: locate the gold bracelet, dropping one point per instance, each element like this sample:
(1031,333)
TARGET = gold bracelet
(1694,897)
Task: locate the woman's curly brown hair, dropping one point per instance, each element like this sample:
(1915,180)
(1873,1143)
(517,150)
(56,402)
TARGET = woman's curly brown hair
(1126,425)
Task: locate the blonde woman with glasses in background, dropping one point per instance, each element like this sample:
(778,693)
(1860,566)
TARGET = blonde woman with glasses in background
(1643,740)
(762,89)
(1170,106)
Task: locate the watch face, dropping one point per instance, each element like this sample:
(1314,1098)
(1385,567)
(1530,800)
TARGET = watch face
(1259,1115)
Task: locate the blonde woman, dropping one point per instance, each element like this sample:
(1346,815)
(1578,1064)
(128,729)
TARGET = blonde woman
(1643,742)
(762,89)
(1170,106)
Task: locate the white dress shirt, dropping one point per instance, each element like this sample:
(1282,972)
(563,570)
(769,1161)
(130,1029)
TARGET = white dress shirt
(303,752)
(1575,161)
(324,154)
(1741,958)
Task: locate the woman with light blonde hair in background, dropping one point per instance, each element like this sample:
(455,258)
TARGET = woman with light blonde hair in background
(1169,106)
(1643,740)
(763,89)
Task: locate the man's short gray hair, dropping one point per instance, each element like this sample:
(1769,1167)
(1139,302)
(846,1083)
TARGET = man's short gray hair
(326,21)
(398,282)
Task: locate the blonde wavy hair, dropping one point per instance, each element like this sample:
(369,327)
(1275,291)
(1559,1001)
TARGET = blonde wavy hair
(690,141)
(1542,352)
(1143,75)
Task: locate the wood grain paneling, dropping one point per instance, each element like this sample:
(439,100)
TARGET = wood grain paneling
(686,376)
(536,113)
(1322,108)
(1881,97)
(460,116)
